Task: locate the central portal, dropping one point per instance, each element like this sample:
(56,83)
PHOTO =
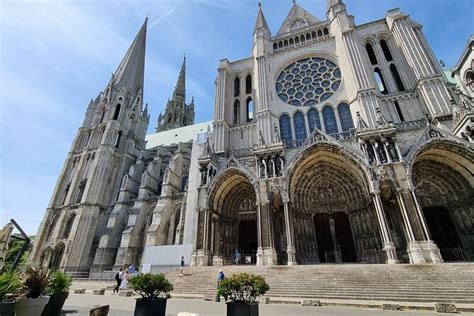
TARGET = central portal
(248,243)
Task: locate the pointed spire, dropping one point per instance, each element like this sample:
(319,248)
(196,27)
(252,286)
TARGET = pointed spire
(180,89)
(261,22)
(130,72)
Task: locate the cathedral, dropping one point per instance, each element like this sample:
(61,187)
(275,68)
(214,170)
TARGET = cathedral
(331,142)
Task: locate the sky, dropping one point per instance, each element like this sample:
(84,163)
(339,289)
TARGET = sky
(57,55)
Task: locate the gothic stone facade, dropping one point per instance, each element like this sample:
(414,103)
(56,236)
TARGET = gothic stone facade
(336,142)
(332,142)
(114,195)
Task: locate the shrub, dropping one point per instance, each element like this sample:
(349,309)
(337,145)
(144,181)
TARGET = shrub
(34,283)
(243,288)
(9,283)
(150,286)
(59,283)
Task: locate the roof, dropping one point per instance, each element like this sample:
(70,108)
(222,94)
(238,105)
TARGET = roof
(465,52)
(297,14)
(177,135)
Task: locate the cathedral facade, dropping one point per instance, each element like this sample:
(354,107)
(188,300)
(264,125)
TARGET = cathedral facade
(332,142)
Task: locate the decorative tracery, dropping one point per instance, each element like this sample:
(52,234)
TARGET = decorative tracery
(308,81)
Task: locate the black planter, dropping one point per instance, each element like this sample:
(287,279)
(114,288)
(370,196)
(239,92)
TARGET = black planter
(7,308)
(55,304)
(236,309)
(150,307)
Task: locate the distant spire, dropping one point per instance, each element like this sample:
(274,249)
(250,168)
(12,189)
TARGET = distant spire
(130,72)
(261,22)
(180,89)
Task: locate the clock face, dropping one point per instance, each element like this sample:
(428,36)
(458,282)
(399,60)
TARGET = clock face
(308,81)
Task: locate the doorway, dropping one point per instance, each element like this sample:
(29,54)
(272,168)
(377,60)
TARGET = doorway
(248,243)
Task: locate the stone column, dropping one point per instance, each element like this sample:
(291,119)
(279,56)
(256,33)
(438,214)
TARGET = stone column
(290,249)
(388,245)
(259,236)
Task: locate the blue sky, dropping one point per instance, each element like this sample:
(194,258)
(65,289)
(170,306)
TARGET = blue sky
(57,55)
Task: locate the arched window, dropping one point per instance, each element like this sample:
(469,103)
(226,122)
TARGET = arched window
(386,50)
(184,183)
(302,38)
(308,36)
(237,112)
(248,84)
(325,31)
(82,187)
(399,111)
(236,86)
(285,129)
(249,109)
(67,228)
(300,127)
(329,120)
(280,44)
(297,40)
(371,53)
(320,33)
(275,46)
(345,116)
(291,41)
(396,77)
(66,191)
(313,34)
(380,82)
(117,140)
(285,43)
(313,120)
(117,112)
(102,116)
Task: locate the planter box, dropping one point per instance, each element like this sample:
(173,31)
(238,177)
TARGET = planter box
(148,307)
(55,304)
(236,309)
(31,306)
(7,308)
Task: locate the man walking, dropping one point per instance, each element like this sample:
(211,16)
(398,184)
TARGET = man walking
(220,278)
(118,278)
(181,272)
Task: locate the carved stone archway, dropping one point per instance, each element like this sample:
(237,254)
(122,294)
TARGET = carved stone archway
(443,176)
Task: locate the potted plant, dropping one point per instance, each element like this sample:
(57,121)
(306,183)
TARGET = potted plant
(149,287)
(30,297)
(240,292)
(9,283)
(58,291)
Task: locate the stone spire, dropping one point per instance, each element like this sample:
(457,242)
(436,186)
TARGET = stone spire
(334,7)
(180,89)
(130,72)
(261,22)
(177,112)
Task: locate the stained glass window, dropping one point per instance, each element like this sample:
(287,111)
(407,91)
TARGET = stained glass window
(329,120)
(300,127)
(345,116)
(308,81)
(285,129)
(313,120)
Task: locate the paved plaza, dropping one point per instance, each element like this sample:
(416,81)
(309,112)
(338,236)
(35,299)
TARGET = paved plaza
(121,306)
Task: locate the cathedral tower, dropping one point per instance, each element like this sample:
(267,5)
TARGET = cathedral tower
(107,143)
(177,112)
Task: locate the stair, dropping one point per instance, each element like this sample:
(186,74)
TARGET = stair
(375,282)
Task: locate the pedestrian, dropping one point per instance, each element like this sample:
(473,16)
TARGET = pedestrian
(123,285)
(237,256)
(131,269)
(220,278)
(118,278)
(181,272)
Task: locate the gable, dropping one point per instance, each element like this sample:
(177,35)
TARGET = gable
(296,19)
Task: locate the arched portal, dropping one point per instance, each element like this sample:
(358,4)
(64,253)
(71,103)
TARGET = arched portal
(334,218)
(443,175)
(233,205)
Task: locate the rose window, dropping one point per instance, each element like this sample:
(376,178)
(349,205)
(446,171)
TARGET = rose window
(308,81)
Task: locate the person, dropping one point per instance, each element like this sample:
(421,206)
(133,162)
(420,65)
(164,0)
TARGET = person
(131,269)
(181,272)
(237,256)
(118,278)
(123,285)
(220,278)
